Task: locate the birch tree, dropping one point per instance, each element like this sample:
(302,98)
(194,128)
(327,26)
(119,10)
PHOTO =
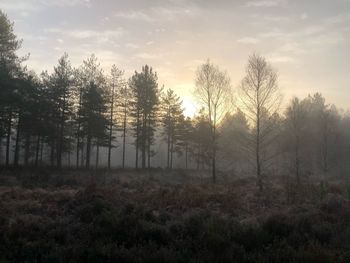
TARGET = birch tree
(213,89)
(261,100)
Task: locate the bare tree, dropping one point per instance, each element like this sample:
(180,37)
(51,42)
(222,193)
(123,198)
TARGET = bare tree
(261,99)
(213,89)
(296,121)
(125,99)
(116,81)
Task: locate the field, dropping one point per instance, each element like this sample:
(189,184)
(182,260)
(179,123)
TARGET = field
(169,216)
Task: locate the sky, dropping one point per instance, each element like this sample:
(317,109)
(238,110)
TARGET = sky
(306,41)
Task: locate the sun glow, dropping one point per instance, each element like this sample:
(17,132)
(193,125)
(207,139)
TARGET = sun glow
(189,106)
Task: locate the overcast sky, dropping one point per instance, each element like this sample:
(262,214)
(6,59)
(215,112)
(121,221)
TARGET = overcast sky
(308,42)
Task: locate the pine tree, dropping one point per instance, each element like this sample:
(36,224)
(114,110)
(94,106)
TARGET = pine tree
(171,116)
(116,83)
(123,109)
(90,81)
(10,72)
(145,102)
(61,83)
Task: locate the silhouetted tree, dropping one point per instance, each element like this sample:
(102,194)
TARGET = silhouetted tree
(10,74)
(116,83)
(124,107)
(61,83)
(171,117)
(92,108)
(145,102)
(261,99)
(213,89)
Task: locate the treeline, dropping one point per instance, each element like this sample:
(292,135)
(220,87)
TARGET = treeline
(66,117)
(62,118)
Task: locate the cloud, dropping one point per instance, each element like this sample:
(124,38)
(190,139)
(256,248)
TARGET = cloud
(192,65)
(339,19)
(265,3)
(132,45)
(101,36)
(35,5)
(135,15)
(157,13)
(147,56)
(248,40)
(275,58)
(304,16)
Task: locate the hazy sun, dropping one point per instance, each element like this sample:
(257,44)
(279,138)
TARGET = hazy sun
(190,108)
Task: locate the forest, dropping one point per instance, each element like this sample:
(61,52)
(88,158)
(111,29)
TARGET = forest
(98,166)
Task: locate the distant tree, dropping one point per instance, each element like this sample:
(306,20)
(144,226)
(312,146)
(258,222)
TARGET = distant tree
(202,139)
(213,89)
(186,137)
(61,83)
(171,117)
(296,126)
(260,99)
(10,73)
(26,113)
(145,103)
(235,136)
(123,109)
(92,108)
(93,118)
(116,83)
(325,121)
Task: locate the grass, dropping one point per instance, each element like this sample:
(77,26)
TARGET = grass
(161,216)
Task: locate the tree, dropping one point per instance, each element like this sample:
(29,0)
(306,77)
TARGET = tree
(61,84)
(261,99)
(325,122)
(10,72)
(234,130)
(202,139)
(186,132)
(93,119)
(144,88)
(171,117)
(124,107)
(116,83)
(296,126)
(213,88)
(92,108)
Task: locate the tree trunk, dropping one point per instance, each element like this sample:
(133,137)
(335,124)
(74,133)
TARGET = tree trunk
(98,155)
(149,143)
(214,165)
(171,152)
(1,149)
(52,154)
(37,150)
(41,150)
(186,155)
(124,135)
(8,139)
(78,130)
(61,140)
(297,163)
(258,161)
(137,139)
(110,129)
(168,151)
(88,149)
(16,156)
(143,142)
(69,159)
(82,153)
(27,150)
